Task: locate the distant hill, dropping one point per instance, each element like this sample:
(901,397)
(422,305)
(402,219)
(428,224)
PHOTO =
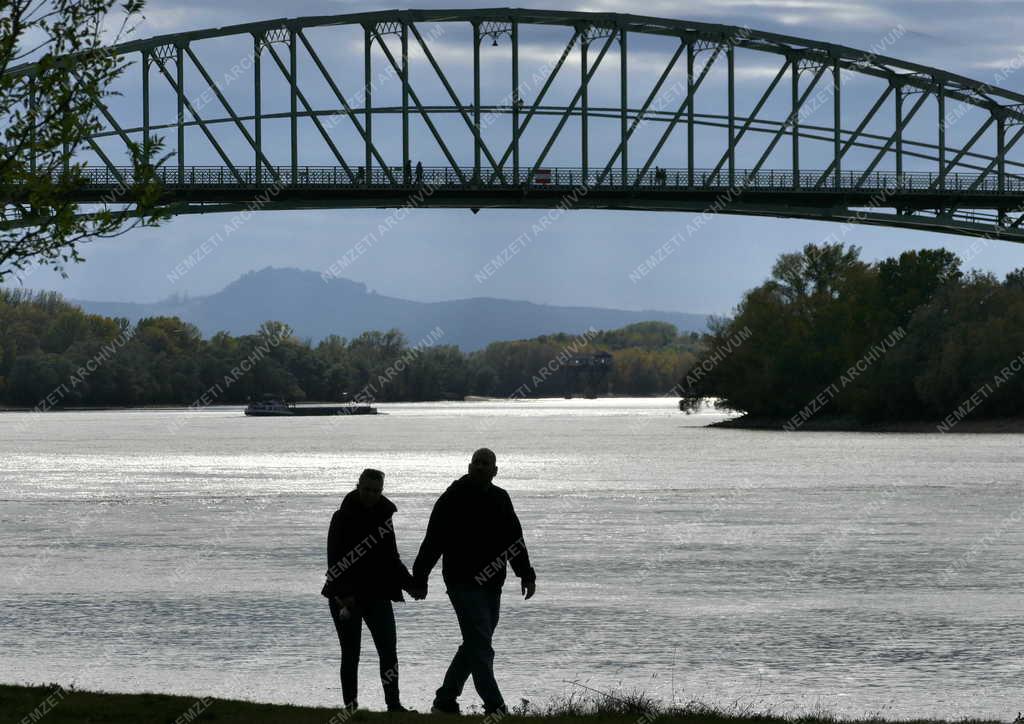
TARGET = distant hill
(316,308)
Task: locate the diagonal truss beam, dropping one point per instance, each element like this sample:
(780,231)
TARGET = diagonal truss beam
(687,102)
(90,140)
(348,108)
(943,172)
(227,106)
(106,161)
(415,99)
(540,97)
(199,119)
(750,119)
(988,169)
(1019,220)
(309,109)
(95,147)
(792,119)
(904,121)
(474,127)
(569,109)
(110,119)
(851,141)
(643,110)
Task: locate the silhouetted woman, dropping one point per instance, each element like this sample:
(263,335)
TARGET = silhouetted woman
(365,574)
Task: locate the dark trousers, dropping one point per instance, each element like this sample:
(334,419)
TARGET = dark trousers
(379,616)
(477,609)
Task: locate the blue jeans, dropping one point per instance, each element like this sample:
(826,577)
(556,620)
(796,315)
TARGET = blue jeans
(477,609)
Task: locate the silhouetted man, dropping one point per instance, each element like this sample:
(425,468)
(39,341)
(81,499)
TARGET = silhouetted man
(474,526)
(365,574)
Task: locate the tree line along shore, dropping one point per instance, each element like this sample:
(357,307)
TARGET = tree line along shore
(55,356)
(828,342)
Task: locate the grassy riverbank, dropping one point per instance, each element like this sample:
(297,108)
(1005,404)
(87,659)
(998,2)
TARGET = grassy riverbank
(851,424)
(62,706)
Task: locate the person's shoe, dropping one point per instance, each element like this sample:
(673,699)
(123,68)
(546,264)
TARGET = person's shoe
(445,707)
(350,707)
(399,709)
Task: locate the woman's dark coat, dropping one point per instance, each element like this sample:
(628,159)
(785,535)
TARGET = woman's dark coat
(362,555)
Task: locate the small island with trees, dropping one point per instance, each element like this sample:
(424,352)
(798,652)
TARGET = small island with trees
(833,342)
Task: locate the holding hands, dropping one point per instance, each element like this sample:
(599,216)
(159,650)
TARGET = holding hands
(418,593)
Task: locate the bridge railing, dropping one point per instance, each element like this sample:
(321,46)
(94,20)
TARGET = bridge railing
(653,179)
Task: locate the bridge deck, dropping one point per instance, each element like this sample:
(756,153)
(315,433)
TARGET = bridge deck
(446,186)
(966,204)
(567,177)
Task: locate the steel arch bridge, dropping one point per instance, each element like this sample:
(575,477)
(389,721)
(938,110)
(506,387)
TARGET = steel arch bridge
(634,112)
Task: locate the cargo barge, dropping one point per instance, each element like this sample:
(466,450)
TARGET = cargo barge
(279,408)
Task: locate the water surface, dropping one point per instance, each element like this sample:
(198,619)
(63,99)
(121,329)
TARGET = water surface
(183,552)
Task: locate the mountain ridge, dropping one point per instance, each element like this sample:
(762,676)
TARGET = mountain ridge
(316,307)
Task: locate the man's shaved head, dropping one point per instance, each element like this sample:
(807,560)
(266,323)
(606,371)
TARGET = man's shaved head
(483,465)
(485,454)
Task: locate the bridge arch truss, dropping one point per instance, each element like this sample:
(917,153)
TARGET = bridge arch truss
(462,108)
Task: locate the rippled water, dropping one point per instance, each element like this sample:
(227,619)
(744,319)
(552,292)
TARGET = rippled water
(856,573)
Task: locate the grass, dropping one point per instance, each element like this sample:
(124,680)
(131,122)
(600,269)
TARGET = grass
(54,705)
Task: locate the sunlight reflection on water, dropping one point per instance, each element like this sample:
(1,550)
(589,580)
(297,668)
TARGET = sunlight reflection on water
(183,552)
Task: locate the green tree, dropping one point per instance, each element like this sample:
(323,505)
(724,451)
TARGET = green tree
(55,73)
(815,271)
(1015,279)
(824,313)
(913,279)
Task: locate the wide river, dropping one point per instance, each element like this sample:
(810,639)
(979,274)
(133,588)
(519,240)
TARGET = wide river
(859,574)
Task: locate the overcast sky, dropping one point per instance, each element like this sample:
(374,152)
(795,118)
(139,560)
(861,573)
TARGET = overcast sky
(586,257)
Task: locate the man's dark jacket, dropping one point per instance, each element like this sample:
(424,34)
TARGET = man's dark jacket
(362,555)
(474,526)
